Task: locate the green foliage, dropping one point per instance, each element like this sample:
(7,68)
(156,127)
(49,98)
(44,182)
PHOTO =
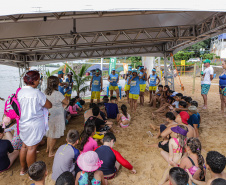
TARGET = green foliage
(135,61)
(182,55)
(80,79)
(48,74)
(217,57)
(208,56)
(56,71)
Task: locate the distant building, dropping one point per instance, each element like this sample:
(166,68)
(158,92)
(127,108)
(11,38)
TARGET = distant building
(218,45)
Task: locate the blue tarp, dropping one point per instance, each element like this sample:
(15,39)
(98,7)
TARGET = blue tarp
(222,36)
(95,67)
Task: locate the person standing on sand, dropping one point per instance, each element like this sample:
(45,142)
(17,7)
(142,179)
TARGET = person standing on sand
(32,122)
(222,87)
(127,87)
(56,119)
(113,86)
(206,81)
(152,84)
(70,82)
(134,90)
(96,85)
(143,79)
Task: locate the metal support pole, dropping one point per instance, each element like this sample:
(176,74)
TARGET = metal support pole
(101,65)
(194,75)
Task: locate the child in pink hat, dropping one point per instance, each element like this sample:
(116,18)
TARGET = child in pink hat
(89,163)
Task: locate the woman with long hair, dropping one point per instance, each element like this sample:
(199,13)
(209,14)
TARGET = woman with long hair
(194,162)
(56,119)
(222,88)
(89,163)
(32,124)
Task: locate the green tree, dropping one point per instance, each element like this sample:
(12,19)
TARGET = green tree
(135,61)
(80,79)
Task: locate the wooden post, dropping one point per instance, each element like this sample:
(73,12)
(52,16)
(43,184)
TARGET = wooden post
(194,75)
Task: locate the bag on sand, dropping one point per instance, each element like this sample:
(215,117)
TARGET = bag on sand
(12,108)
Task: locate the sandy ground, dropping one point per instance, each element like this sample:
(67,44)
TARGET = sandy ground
(130,141)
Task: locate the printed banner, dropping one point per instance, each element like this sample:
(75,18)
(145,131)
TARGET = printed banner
(112,64)
(125,67)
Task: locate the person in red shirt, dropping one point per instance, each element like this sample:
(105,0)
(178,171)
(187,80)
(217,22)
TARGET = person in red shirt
(111,158)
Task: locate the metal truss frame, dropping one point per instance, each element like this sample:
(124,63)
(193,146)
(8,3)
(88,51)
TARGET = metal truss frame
(201,31)
(86,40)
(168,71)
(71,15)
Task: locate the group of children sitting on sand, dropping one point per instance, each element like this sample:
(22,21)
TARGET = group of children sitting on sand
(89,157)
(87,166)
(180,145)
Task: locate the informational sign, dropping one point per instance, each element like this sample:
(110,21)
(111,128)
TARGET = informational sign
(112,64)
(183,62)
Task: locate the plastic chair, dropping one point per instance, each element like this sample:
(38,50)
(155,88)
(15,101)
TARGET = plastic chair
(120,91)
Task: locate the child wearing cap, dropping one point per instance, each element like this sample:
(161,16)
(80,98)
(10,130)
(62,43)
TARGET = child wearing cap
(134,90)
(177,145)
(96,85)
(89,163)
(66,156)
(61,84)
(194,119)
(152,84)
(143,79)
(113,78)
(206,81)
(127,87)
(68,89)
(38,172)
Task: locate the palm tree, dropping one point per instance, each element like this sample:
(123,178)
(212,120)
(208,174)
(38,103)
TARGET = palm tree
(80,79)
(48,74)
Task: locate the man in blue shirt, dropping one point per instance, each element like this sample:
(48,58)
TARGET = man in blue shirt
(113,79)
(61,84)
(194,119)
(96,85)
(134,92)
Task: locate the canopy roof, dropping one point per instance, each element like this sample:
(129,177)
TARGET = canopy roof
(96,66)
(55,32)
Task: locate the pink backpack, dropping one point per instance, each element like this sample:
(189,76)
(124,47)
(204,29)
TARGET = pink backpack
(12,108)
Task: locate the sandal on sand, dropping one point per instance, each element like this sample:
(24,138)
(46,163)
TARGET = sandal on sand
(23,173)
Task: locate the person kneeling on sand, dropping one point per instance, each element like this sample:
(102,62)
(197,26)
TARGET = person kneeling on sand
(66,156)
(216,163)
(111,158)
(38,172)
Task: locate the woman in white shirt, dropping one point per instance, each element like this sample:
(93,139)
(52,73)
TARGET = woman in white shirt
(56,119)
(32,124)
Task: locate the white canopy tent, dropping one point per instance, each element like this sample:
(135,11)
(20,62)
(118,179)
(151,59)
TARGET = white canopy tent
(40,32)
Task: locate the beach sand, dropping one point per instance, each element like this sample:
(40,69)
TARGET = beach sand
(131,141)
